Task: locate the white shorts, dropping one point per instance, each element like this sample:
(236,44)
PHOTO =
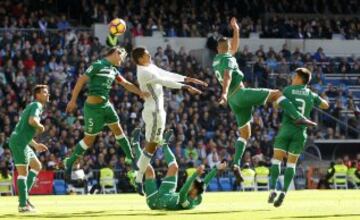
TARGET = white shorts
(154,125)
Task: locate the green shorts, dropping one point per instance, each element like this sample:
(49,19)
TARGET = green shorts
(96,116)
(21,153)
(243,101)
(157,198)
(291,139)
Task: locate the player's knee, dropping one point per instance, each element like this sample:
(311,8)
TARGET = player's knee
(245,132)
(89,140)
(149,173)
(37,167)
(275,94)
(174,167)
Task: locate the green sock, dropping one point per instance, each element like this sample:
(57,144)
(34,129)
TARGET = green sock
(137,150)
(31,179)
(169,156)
(78,152)
(171,183)
(289,175)
(289,108)
(239,150)
(274,173)
(22,190)
(125,146)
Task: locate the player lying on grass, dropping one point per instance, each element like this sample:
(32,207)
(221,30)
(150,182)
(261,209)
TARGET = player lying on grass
(152,79)
(98,111)
(243,100)
(20,141)
(165,196)
(291,139)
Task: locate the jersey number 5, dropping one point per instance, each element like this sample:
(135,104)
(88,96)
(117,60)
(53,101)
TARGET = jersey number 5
(302,105)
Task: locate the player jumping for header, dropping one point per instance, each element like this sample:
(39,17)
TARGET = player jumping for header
(98,111)
(291,139)
(243,100)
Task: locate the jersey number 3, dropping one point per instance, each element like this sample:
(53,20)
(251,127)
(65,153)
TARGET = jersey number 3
(302,105)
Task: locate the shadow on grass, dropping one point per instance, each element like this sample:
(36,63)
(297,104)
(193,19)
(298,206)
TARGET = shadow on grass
(104,214)
(318,216)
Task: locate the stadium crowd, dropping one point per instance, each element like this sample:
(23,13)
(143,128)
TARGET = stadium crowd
(205,131)
(197,18)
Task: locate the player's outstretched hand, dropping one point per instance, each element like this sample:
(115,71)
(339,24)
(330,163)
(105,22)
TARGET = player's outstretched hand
(70,106)
(40,148)
(195,81)
(223,99)
(234,24)
(192,90)
(201,169)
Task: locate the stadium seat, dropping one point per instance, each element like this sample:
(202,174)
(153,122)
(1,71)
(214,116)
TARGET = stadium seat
(213,185)
(108,185)
(340,181)
(6,187)
(225,184)
(262,183)
(60,187)
(248,184)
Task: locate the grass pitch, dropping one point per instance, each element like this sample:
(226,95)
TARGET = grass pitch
(309,204)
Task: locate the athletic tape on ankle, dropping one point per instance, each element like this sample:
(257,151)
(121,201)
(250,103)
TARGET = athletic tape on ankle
(34,171)
(275,161)
(291,165)
(280,99)
(242,140)
(21,177)
(118,137)
(83,145)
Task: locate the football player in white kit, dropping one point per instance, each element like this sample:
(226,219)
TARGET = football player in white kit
(152,79)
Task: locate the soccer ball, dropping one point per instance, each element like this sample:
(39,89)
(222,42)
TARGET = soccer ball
(117,26)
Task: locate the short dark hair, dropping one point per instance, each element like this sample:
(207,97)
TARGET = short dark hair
(137,53)
(199,186)
(112,50)
(304,74)
(222,40)
(38,88)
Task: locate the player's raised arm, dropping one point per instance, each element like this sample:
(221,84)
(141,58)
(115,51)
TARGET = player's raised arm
(75,93)
(180,78)
(131,87)
(225,86)
(235,41)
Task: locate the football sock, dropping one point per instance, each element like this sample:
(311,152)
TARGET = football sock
(31,179)
(274,173)
(239,150)
(169,156)
(22,190)
(289,175)
(80,148)
(125,146)
(142,163)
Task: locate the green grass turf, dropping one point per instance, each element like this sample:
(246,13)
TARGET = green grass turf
(309,204)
